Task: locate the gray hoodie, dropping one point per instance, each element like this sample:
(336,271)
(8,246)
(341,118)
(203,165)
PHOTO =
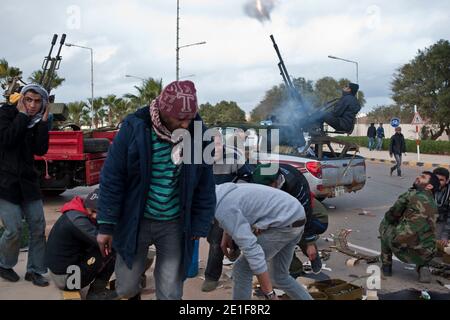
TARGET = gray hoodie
(241,207)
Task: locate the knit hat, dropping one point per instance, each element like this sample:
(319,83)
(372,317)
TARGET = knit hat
(354,88)
(92,199)
(265,179)
(178,100)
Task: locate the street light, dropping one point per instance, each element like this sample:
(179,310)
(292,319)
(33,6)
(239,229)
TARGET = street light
(351,61)
(92,77)
(178,41)
(131,76)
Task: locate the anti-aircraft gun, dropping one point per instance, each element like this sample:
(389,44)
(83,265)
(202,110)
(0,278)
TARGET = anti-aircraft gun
(49,67)
(309,120)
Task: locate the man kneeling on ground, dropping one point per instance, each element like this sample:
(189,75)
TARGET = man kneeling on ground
(73,242)
(266,224)
(408,228)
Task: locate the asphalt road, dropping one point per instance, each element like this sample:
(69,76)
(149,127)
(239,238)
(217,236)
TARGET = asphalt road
(380,192)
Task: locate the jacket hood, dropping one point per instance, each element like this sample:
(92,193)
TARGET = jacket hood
(76,204)
(222,190)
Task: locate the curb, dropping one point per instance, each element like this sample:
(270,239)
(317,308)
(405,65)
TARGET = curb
(427,165)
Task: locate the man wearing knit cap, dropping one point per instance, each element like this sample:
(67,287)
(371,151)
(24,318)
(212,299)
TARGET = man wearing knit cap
(343,115)
(151,194)
(23,134)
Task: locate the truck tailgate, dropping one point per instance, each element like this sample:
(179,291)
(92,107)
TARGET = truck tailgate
(343,172)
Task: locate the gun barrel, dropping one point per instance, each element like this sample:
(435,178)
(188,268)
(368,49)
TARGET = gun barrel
(47,59)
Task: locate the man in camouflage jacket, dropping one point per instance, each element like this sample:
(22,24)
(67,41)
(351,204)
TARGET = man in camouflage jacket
(408,228)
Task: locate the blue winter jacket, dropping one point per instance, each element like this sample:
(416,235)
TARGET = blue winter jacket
(125,182)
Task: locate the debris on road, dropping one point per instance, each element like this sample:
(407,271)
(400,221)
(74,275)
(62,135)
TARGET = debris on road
(341,245)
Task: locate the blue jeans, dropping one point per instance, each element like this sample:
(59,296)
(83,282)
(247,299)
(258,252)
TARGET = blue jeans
(371,143)
(11,216)
(278,245)
(167,236)
(379,144)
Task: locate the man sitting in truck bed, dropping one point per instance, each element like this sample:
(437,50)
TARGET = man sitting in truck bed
(343,115)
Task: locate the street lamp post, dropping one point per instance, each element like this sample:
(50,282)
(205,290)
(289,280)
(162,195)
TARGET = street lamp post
(178,42)
(351,61)
(92,77)
(131,76)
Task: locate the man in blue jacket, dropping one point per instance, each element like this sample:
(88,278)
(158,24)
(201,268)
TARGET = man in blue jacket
(152,192)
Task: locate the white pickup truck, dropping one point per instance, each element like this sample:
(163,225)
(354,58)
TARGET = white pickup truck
(330,173)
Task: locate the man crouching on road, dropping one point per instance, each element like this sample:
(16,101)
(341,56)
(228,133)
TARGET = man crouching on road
(408,228)
(73,242)
(266,224)
(150,194)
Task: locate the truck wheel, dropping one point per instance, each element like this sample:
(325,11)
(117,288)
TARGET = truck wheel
(95,145)
(53,193)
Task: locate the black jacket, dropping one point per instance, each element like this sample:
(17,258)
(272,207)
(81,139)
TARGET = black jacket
(72,236)
(397,145)
(297,186)
(343,115)
(372,132)
(19,180)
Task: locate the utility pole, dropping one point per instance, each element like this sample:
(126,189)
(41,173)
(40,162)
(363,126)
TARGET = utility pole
(178,41)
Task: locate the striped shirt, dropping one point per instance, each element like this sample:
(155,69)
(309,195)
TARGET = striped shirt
(163,200)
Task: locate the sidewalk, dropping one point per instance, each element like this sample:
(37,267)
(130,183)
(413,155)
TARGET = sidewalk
(428,161)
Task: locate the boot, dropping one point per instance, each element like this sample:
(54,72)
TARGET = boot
(209,285)
(424,274)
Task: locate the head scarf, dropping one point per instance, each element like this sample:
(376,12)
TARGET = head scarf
(44,96)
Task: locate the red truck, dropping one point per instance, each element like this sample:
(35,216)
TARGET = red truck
(73,159)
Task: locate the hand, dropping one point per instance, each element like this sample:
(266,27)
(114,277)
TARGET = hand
(311,252)
(442,243)
(105,244)
(21,106)
(47,111)
(227,245)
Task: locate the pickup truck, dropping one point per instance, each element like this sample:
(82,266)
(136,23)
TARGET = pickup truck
(330,173)
(74,158)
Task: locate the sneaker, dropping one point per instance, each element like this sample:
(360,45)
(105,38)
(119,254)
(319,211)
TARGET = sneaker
(209,285)
(387,270)
(9,274)
(316,265)
(424,274)
(36,279)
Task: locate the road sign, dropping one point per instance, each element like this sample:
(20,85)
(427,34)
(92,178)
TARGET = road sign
(417,119)
(395,122)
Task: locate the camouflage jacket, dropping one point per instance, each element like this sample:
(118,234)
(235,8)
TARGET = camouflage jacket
(413,216)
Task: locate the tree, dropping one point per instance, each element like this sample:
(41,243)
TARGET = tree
(384,114)
(76,112)
(36,77)
(7,71)
(424,82)
(224,111)
(148,91)
(110,104)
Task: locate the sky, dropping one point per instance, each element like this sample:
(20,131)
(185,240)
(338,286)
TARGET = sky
(238,62)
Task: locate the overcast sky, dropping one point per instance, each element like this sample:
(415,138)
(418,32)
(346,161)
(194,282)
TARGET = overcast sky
(238,62)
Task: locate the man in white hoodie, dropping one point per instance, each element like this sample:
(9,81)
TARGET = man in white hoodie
(266,224)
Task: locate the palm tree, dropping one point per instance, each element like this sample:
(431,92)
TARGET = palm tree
(76,111)
(6,71)
(122,108)
(109,102)
(36,77)
(148,91)
(98,105)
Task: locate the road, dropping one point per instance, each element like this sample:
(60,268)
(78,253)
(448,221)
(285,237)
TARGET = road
(380,192)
